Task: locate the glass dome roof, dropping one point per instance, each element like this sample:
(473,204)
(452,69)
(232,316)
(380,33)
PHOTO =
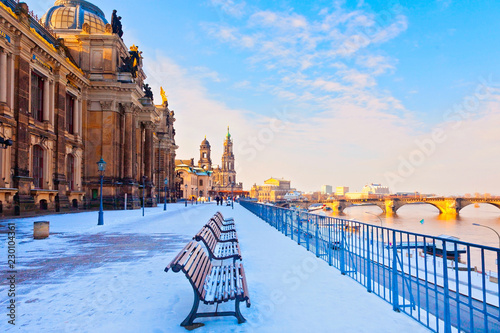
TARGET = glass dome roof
(72,14)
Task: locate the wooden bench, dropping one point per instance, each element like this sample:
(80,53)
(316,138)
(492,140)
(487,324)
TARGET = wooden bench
(211,284)
(229,220)
(223,227)
(218,250)
(221,235)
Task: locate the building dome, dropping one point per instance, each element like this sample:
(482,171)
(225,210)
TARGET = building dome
(205,143)
(73,14)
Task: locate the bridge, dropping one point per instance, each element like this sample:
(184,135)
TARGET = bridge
(391,204)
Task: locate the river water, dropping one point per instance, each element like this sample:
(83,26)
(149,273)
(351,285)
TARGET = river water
(409,216)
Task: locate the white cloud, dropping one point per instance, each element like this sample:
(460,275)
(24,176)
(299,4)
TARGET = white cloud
(230,7)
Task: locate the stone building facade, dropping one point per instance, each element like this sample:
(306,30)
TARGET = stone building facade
(71,92)
(274,189)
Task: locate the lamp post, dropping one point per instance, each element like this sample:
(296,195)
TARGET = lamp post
(186,193)
(381,223)
(232,195)
(101,165)
(143,193)
(165,200)
(484,226)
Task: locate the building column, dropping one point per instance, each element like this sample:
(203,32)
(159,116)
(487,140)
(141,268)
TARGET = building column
(52,97)
(3,76)
(148,151)
(12,73)
(76,117)
(80,118)
(128,150)
(46,100)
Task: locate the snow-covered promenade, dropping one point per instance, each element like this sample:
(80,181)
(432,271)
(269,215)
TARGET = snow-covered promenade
(86,278)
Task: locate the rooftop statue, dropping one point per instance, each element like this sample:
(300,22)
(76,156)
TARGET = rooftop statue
(131,63)
(148,92)
(163,97)
(116,24)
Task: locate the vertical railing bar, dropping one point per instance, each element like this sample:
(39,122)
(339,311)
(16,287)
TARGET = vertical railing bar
(483,276)
(436,293)
(469,291)
(457,288)
(446,300)
(498,280)
(403,274)
(395,291)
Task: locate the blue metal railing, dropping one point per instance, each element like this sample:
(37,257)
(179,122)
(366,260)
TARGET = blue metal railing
(434,280)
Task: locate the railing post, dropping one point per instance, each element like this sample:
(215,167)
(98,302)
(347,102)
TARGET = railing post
(317,238)
(342,246)
(299,226)
(447,320)
(330,246)
(368,261)
(308,234)
(395,284)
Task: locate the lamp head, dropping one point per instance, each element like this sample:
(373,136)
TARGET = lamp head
(101,165)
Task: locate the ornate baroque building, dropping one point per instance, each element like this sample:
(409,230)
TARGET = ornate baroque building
(71,92)
(203,180)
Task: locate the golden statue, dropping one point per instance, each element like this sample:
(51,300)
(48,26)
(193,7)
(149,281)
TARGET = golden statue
(134,48)
(163,96)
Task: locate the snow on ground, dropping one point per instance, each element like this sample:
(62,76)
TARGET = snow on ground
(89,278)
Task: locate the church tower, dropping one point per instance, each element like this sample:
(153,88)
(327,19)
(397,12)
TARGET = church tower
(205,161)
(228,172)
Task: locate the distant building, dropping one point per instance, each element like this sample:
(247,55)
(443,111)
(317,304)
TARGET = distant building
(326,189)
(203,180)
(293,195)
(376,189)
(274,189)
(341,190)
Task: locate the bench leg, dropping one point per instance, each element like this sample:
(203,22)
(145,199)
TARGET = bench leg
(238,314)
(192,315)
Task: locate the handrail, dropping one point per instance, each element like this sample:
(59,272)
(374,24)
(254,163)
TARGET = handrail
(442,283)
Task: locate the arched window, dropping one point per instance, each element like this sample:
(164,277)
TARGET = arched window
(70,172)
(38,166)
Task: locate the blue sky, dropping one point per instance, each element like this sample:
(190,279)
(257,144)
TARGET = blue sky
(331,92)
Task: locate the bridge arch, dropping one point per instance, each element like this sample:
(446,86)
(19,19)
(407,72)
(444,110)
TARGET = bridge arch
(441,210)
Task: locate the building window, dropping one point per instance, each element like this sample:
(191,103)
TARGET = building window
(70,172)
(204,155)
(38,167)
(70,104)
(36,96)
(201,182)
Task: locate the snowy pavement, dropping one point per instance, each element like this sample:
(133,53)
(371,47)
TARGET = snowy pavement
(89,278)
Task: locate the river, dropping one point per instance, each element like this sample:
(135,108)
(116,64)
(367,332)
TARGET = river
(409,216)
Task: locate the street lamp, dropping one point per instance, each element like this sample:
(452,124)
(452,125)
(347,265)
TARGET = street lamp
(484,226)
(143,193)
(186,193)
(101,165)
(232,195)
(165,200)
(381,223)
